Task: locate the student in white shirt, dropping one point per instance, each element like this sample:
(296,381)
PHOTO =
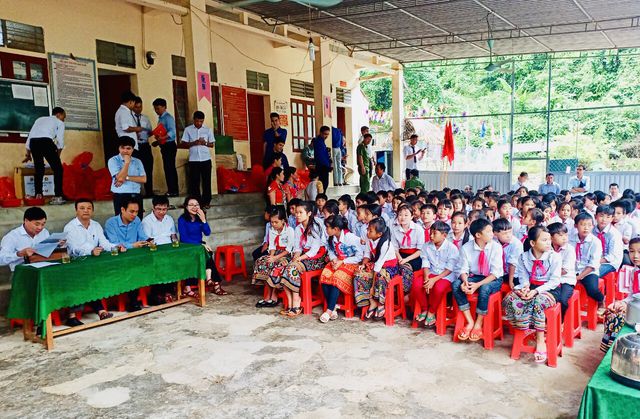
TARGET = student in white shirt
(268,268)
(588,255)
(480,270)
(348,210)
(20,242)
(345,255)
(199,138)
(560,245)
(412,155)
(439,262)
(511,250)
(45,142)
(159,225)
(142,150)
(408,239)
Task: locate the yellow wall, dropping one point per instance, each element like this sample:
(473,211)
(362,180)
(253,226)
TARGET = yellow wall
(72,26)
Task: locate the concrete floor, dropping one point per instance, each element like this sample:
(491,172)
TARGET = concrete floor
(233,360)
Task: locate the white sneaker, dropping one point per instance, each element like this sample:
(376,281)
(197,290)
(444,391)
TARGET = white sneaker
(57,200)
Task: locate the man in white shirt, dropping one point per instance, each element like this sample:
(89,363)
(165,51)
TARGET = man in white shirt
(41,145)
(21,241)
(580,184)
(614,191)
(382,181)
(85,237)
(199,138)
(126,125)
(159,225)
(522,180)
(143,148)
(412,155)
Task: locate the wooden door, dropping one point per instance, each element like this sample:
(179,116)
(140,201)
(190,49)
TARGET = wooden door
(111,88)
(341,123)
(255,105)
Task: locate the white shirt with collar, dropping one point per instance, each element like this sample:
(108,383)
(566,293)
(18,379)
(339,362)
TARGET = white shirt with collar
(81,241)
(192,134)
(549,274)
(311,243)
(625,228)
(383,183)
(159,230)
(413,238)
(589,254)
(613,251)
(284,238)
(568,255)
(470,252)
(438,259)
(387,253)
(16,240)
(124,119)
(346,248)
(47,127)
(407,151)
(512,251)
(145,122)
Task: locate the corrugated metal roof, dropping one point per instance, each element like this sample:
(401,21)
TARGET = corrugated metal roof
(420,30)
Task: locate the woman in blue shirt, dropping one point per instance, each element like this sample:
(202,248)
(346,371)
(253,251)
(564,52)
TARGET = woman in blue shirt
(192,224)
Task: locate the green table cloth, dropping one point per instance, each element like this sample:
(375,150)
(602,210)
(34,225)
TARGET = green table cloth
(606,398)
(36,292)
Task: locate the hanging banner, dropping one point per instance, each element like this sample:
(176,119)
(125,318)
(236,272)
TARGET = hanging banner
(73,87)
(326,102)
(204,86)
(281,107)
(234,112)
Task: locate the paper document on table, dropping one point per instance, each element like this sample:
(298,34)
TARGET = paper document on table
(42,264)
(55,238)
(45,249)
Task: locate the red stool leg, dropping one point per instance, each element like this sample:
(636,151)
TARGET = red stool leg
(243,264)
(143,296)
(305,293)
(122,302)
(518,343)
(553,335)
(441,317)
(55,318)
(389,304)
(349,305)
(572,321)
(610,288)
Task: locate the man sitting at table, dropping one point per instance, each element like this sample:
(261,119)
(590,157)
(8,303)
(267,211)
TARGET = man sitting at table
(126,228)
(85,237)
(159,224)
(21,241)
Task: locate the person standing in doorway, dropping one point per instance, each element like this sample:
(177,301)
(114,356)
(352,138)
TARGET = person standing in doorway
(337,140)
(321,155)
(270,136)
(143,150)
(46,141)
(168,146)
(199,138)
(126,125)
(412,155)
(364,163)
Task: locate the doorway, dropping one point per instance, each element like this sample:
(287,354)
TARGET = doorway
(111,87)
(341,123)
(255,105)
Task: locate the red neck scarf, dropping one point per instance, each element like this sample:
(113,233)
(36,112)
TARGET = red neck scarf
(483,263)
(579,249)
(603,240)
(406,239)
(504,257)
(537,266)
(427,234)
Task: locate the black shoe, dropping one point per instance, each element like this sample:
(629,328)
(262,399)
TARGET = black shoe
(262,303)
(273,303)
(134,307)
(172,194)
(73,322)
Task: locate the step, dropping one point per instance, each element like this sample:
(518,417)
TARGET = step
(334,192)
(253,222)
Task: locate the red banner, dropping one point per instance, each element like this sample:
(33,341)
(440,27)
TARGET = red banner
(234,112)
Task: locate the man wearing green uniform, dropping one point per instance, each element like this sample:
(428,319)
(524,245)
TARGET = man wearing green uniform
(414,181)
(364,163)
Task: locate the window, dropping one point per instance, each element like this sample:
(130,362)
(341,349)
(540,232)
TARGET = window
(213,72)
(301,88)
(180,105)
(178,66)
(343,96)
(23,67)
(303,123)
(21,36)
(115,54)
(257,81)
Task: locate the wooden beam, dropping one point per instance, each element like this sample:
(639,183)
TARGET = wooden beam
(161,5)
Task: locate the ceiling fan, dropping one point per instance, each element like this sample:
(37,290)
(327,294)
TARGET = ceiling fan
(315,3)
(491,67)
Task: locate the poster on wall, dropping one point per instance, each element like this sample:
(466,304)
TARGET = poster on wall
(281,107)
(234,112)
(73,88)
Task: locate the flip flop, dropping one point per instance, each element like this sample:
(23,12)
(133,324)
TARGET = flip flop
(540,357)
(475,335)
(380,313)
(325,317)
(464,333)
(430,321)
(295,312)
(421,317)
(334,315)
(370,312)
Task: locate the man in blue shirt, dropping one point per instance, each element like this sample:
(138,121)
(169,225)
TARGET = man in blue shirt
(128,175)
(549,186)
(168,146)
(336,155)
(270,136)
(321,156)
(127,230)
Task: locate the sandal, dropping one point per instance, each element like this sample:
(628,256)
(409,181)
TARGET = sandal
(430,321)
(380,313)
(168,298)
(476,335)
(421,317)
(325,317)
(284,311)
(209,283)
(105,315)
(540,357)
(295,312)
(217,289)
(334,315)
(464,333)
(189,294)
(370,312)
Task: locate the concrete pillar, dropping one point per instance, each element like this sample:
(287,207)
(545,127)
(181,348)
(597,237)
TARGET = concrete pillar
(322,87)
(197,46)
(397,116)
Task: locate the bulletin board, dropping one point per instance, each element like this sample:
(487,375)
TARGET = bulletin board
(21,103)
(234,112)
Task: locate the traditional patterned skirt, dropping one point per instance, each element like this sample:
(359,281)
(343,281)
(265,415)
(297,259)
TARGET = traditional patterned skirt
(614,320)
(292,273)
(342,278)
(528,314)
(363,282)
(269,272)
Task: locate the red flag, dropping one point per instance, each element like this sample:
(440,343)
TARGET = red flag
(448,149)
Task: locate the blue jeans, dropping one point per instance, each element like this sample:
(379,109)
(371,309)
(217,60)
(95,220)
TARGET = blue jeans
(484,292)
(331,294)
(566,291)
(606,268)
(590,283)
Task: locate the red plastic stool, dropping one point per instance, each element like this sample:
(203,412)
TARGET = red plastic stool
(553,338)
(445,316)
(394,302)
(228,255)
(572,320)
(504,290)
(266,293)
(345,303)
(589,305)
(492,324)
(610,288)
(309,298)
